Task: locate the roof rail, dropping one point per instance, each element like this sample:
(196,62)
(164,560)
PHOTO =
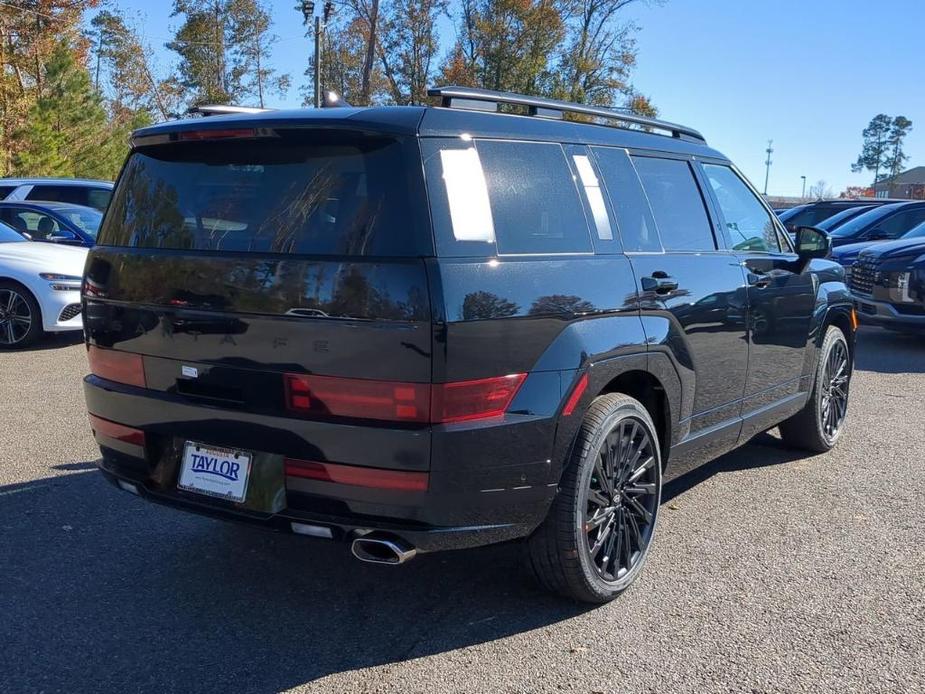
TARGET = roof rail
(482,99)
(224,109)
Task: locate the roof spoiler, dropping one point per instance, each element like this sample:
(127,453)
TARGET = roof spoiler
(224,110)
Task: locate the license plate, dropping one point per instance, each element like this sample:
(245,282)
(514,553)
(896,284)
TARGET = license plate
(213,471)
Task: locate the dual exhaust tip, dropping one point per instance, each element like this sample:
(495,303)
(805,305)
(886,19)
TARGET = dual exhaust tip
(382,550)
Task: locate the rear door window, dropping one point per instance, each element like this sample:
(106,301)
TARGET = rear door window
(5,191)
(676,203)
(634,218)
(311,193)
(507,197)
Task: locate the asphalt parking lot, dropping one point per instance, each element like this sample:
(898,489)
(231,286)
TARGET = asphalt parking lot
(771,572)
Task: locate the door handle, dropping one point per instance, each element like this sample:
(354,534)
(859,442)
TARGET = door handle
(660,283)
(758,279)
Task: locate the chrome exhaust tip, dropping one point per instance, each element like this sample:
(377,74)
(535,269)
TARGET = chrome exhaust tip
(382,550)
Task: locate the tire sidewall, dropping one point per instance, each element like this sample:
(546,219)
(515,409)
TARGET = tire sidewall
(595,438)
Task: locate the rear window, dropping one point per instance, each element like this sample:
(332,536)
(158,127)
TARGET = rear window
(313,194)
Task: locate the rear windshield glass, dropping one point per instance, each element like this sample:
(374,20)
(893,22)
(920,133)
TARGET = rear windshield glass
(320,196)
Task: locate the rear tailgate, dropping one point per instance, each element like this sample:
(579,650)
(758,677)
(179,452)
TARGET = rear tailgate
(229,264)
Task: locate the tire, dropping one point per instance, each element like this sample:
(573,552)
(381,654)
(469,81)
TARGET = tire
(17,305)
(560,552)
(819,425)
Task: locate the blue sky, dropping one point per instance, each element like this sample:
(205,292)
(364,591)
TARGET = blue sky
(809,75)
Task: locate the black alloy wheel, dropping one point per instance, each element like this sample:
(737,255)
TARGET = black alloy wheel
(835,390)
(821,422)
(621,500)
(595,540)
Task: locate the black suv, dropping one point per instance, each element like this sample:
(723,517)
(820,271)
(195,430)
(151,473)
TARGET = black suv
(888,282)
(415,329)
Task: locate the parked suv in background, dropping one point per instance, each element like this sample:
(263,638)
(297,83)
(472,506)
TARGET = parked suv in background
(888,282)
(415,329)
(76,191)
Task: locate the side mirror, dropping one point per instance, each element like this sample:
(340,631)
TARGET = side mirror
(813,243)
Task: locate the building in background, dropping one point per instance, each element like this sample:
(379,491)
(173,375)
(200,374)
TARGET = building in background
(909,185)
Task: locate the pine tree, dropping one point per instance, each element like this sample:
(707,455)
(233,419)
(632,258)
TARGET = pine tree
(251,42)
(896,157)
(409,47)
(67,132)
(224,48)
(875,152)
(123,71)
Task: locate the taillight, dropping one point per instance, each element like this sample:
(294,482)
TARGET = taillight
(113,365)
(401,402)
(347,397)
(466,400)
(408,481)
(114,430)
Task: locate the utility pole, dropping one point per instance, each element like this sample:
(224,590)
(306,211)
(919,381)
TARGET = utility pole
(307,7)
(803,194)
(767,165)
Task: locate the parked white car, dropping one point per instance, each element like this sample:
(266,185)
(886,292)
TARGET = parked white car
(77,191)
(39,288)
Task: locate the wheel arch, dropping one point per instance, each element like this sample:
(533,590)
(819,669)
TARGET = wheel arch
(644,386)
(649,378)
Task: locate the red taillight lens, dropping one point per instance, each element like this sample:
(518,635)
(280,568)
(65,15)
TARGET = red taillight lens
(401,402)
(120,432)
(466,400)
(358,476)
(573,399)
(346,397)
(113,365)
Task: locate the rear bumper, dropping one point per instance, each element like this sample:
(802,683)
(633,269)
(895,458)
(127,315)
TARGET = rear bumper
(471,499)
(886,315)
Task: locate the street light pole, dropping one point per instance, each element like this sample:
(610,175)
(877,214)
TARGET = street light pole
(317,62)
(767,166)
(803,194)
(307,7)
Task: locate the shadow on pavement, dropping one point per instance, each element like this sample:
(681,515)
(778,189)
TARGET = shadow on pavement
(764,450)
(884,351)
(103,592)
(55,341)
